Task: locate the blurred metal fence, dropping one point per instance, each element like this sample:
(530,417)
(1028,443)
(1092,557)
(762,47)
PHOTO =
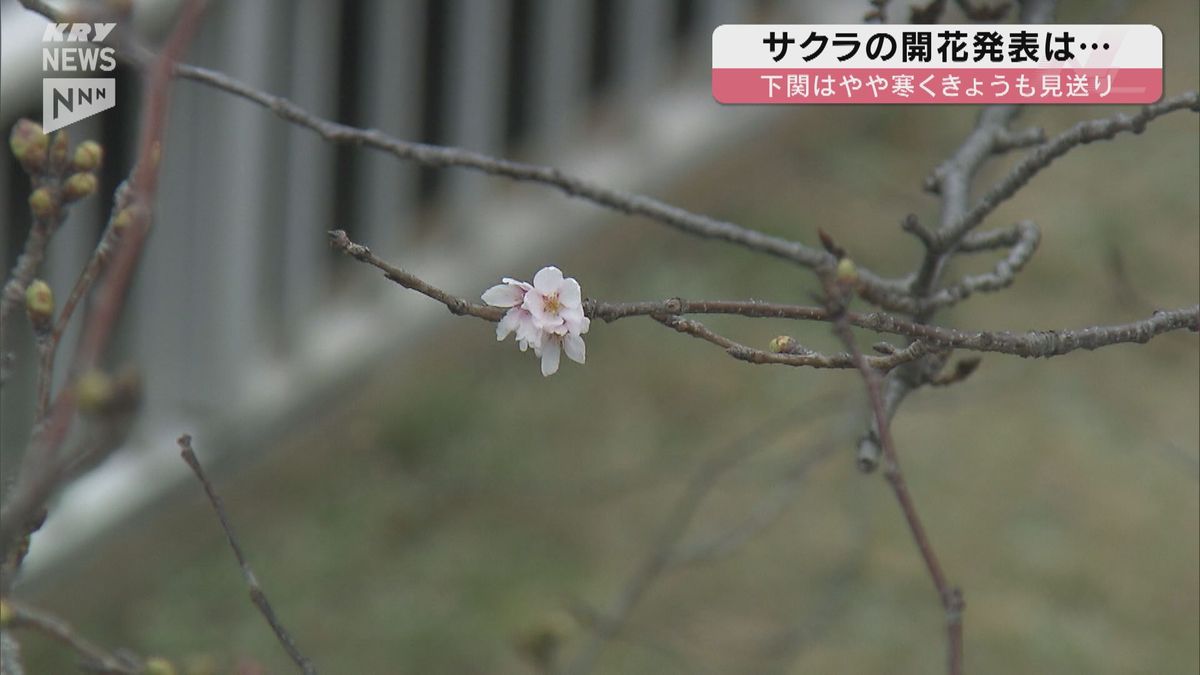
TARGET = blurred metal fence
(240,314)
(239,311)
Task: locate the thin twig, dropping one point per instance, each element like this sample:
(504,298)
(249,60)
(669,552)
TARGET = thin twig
(1080,134)
(808,359)
(663,554)
(695,224)
(441,156)
(1024,237)
(951,597)
(765,512)
(92,270)
(96,658)
(1029,344)
(257,596)
(41,231)
(456,305)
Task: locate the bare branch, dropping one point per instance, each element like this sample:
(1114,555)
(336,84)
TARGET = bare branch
(1036,344)
(10,655)
(1007,139)
(1028,344)
(962,370)
(47,181)
(1040,158)
(456,305)
(951,597)
(1025,237)
(810,359)
(95,658)
(877,13)
(663,554)
(440,156)
(118,221)
(765,512)
(257,596)
(22,273)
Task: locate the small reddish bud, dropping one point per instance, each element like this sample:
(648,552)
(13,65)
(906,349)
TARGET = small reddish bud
(29,145)
(93,391)
(39,304)
(847,272)
(42,204)
(157,665)
(784,344)
(87,157)
(78,186)
(59,146)
(123,219)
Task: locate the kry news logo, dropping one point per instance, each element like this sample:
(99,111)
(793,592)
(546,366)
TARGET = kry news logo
(74,48)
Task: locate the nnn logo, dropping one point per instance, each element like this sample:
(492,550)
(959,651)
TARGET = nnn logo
(72,48)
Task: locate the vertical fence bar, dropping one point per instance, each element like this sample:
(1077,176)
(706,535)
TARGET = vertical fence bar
(474,111)
(308,212)
(709,15)
(393,33)
(558,69)
(232,198)
(640,44)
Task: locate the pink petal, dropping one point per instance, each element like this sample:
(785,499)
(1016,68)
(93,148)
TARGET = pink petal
(527,331)
(503,295)
(517,282)
(550,354)
(511,321)
(548,279)
(569,293)
(574,347)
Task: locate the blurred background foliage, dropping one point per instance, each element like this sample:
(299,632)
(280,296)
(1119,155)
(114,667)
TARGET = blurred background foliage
(450,513)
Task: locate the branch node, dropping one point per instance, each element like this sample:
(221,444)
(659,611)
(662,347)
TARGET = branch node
(912,225)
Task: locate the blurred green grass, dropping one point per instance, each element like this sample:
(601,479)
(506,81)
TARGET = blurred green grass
(451,506)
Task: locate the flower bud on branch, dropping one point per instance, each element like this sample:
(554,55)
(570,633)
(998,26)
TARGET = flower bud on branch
(88,156)
(59,145)
(78,186)
(29,144)
(42,204)
(39,305)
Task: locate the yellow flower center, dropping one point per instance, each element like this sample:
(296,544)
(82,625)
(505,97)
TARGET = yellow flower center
(550,303)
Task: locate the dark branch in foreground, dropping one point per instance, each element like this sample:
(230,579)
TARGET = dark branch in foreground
(42,464)
(257,596)
(95,658)
(951,597)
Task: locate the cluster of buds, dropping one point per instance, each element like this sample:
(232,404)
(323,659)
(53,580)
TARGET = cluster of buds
(546,315)
(59,176)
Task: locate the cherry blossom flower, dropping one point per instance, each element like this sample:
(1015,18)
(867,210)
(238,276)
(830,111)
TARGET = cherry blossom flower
(511,294)
(556,303)
(546,315)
